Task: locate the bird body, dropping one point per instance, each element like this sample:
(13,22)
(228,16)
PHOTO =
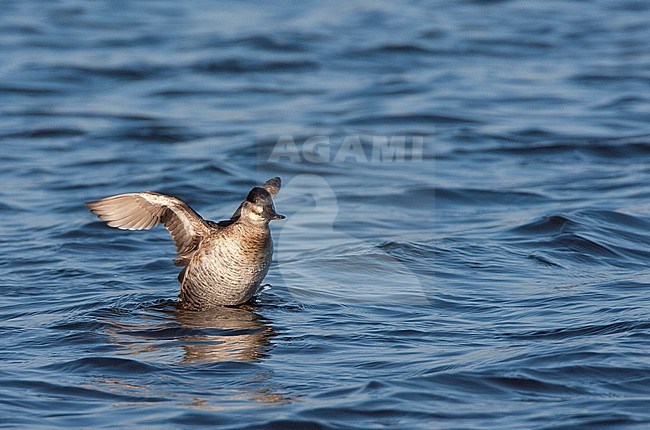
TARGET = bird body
(228,267)
(224,262)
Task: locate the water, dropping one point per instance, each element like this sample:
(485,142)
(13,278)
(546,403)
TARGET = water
(496,278)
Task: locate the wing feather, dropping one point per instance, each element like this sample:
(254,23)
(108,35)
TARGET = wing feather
(145,210)
(273,185)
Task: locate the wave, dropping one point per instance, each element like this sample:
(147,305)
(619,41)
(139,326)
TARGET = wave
(591,236)
(249,65)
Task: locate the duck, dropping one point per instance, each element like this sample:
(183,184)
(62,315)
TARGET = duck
(224,262)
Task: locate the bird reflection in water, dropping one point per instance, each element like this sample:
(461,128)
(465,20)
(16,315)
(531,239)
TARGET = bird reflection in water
(224,334)
(231,334)
(217,335)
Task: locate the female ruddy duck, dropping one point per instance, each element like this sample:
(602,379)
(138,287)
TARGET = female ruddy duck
(224,262)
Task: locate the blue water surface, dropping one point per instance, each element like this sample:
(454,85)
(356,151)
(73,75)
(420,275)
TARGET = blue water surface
(467,191)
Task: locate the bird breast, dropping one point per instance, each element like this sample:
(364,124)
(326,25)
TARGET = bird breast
(228,267)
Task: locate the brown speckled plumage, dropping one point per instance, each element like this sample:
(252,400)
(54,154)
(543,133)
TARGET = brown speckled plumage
(225,262)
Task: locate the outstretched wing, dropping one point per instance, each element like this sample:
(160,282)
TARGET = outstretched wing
(143,211)
(273,185)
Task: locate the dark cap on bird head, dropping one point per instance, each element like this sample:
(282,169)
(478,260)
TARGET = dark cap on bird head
(259,196)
